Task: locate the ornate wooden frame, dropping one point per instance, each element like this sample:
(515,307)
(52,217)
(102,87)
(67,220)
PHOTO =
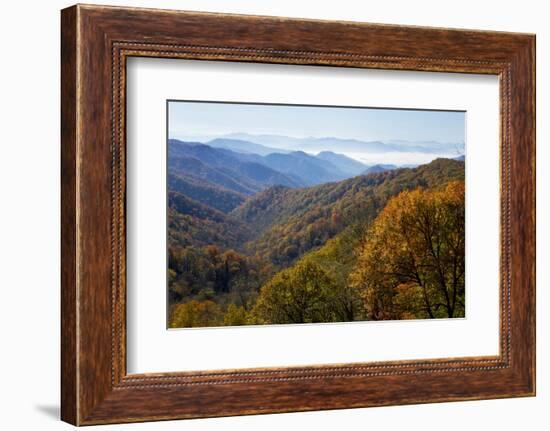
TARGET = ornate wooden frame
(95,42)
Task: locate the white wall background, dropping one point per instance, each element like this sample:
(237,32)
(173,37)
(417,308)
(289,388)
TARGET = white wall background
(29,215)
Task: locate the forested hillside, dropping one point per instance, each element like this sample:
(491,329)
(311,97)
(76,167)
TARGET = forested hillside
(191,223)
(209,194)
(252,239)
(290,222)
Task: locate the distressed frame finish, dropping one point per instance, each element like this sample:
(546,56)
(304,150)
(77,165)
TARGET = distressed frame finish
(96,41)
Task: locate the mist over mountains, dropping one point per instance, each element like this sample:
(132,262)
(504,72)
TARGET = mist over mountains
(389,152)
(354,148)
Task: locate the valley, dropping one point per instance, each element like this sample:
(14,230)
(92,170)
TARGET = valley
(260,235)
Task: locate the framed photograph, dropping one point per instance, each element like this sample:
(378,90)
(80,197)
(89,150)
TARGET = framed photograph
(264,215)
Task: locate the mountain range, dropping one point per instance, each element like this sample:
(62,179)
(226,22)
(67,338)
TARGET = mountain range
(223,173)
(240,214)
(194,167)
(265,143)
(280,222)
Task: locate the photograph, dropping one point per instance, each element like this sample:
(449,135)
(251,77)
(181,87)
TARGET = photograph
(305,214)
(290,214)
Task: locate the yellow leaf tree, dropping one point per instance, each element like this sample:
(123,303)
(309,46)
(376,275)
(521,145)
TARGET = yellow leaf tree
(411,262)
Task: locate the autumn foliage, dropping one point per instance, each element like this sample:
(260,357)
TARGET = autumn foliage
(411,262)
(375,247)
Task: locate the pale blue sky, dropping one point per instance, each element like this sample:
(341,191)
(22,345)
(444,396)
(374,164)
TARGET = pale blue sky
(368,124)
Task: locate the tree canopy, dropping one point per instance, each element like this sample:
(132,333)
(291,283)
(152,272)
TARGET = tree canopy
(301,294)
(411,262)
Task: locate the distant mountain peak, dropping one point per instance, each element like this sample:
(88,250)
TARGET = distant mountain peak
(375,169)
(243,146)
(300,153)
(229,140)
(343,163)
